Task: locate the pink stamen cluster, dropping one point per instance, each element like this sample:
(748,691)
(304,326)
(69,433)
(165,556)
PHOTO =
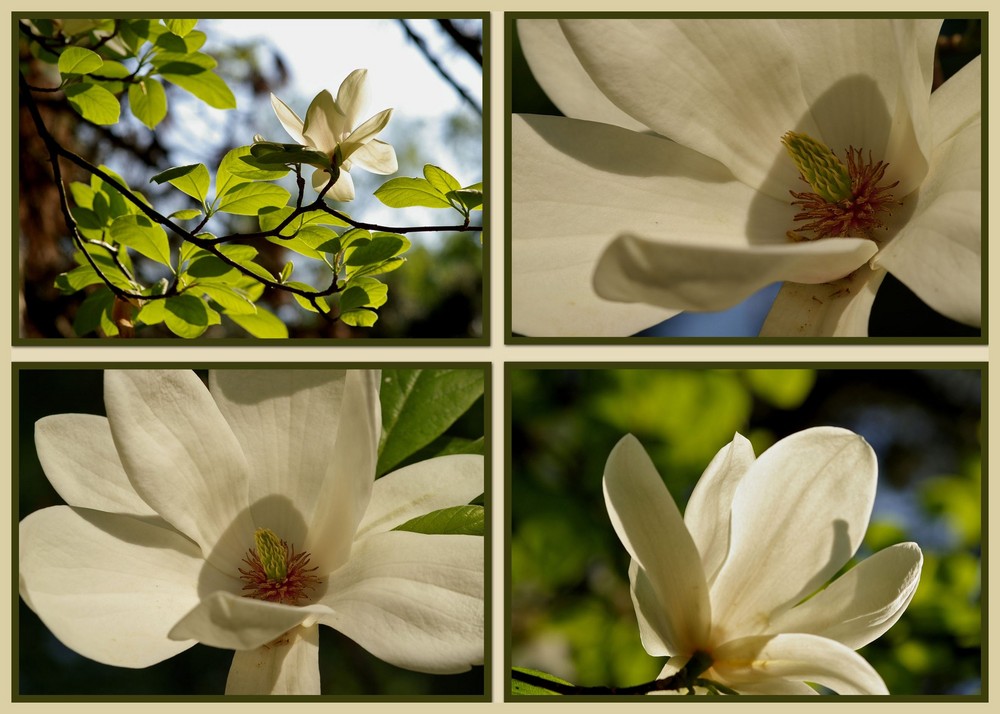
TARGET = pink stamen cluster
(290,590)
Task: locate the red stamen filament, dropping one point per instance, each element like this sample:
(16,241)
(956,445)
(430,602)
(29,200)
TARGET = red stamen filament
(291,589)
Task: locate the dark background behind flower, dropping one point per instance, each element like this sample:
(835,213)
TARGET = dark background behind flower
(897,312)
(46,667)
(571,613)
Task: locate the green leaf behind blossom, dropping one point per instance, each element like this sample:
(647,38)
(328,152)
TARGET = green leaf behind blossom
(457,520)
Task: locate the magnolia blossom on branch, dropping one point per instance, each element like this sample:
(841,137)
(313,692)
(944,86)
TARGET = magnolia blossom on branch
(666,186)
(734,589)
(243,516)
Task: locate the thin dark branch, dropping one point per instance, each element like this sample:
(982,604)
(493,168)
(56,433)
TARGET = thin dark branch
(471,45)
(425,51)
(674,682)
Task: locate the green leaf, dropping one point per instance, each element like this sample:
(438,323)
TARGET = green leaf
(153,312)
(386,266)
(286,272)
(404,192)
(359,317)
(382,247)
(472,200)
(376,291)
(206,86)
(86,218)
(143,236)
(264,324)
(270,153)
(524,689)
(185,214)
(233,300)
(246,199)
(237,162)
(420,405)
(93,103)
(180,27)
(79,60)
(353,298)
(77,279)
(457,520)
(89,315)
(148,101)
(304,302)
(192,179)
(187,316)
(183,63)
(442,181)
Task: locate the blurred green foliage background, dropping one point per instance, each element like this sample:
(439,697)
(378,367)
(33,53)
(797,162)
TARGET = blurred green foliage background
(44,666)
(570,609)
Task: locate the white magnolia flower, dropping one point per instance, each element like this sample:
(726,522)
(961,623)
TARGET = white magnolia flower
(243,516)
(334,123)
(729,581)
(615,228)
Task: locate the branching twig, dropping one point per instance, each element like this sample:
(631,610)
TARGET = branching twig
(425,51)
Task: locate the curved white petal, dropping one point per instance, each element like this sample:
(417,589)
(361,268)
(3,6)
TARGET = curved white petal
(777,687)
(760,659)
(182,457)
(692,276)
(413,600)
(310,437)
(343,190)
(653,618)
(325,125)
(365,133)
(376,156)
(707,513)
(232,622)
(289,119)
(938,253)
(861,604)
(79,458)
(558,71)
(108,586)
(958,102)
(353,96)
(730,88)
(840,308)
(289,665)
(420,488)
(799,514)
(651,528)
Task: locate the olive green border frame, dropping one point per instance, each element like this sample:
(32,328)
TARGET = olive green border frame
(485,367)
(513,339)
(483,339)
(981,367)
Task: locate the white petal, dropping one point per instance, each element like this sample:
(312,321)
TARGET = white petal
(232,622)
(109,586)
(420,488)
(310,438)
(863,603)
(353,96)
(325,124)
(707,514)
(289,119)
(182,458)
(700,276)
(287,666)
(651,528)
(841,308)
(376,156)
(938,253)
(413,600)
(343,190)
(777,687)
(958,102)
(81,462)
(799,514)
(653,618)
(760,659)
(365,133)
(558,71)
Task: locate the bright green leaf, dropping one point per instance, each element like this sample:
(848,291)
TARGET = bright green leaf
(420,405)
(148,101)
(263,325)
(142,235)
(77,279)
(246,199)
(185,214)
(525,689)
(79,60)
(206,86)
(404,192)
(472,200)
(192,179)
(93,103)
(153,312)
(89,315)
(457,520)
(382,247)
(375,290)
(232,300)
(235,164)
(442,181)
(187,315)
(286,272)
(180,27)
(359,317)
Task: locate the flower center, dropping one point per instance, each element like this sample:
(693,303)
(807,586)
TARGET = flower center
(276,572)
(845,201)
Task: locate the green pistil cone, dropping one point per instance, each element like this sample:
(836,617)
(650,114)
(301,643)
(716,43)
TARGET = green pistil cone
(271,554)
(819,166)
